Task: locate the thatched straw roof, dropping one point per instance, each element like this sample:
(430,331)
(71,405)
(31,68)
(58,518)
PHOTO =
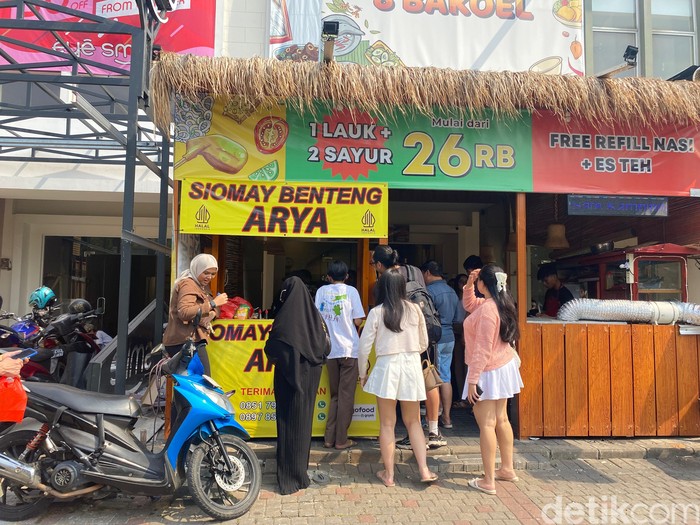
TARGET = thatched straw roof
(637,101)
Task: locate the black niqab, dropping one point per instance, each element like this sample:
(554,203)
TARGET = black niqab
(298,322)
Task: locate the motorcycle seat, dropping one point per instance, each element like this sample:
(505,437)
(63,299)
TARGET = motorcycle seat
(87,402)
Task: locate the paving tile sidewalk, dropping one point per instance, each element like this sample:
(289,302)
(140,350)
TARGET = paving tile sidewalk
(462,449)
(572,492)
(530,454)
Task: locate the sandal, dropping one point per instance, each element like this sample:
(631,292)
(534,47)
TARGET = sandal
(474,483)
(328,445)
(382,476)
(512,479)
(348,444)
(433,477)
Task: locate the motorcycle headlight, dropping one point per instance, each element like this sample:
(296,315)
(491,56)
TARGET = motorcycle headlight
(218,399)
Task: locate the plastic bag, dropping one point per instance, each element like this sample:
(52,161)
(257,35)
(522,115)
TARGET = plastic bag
(236,308)
(14,400)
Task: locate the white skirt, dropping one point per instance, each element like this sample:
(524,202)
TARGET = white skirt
(502,383)
(397,376)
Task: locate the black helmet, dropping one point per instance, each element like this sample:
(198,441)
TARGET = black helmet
(79,306)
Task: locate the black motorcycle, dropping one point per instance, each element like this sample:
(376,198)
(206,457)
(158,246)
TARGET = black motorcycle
(63,347)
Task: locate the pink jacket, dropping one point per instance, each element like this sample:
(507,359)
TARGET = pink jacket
(483,348)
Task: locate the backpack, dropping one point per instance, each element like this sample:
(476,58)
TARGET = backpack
(416,293)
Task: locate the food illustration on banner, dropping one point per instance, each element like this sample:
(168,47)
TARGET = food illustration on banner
(349,34)
(547,66)
(231,136)
(222,153)
(267,172)
(238,109)
(192,118)
(298,53)
(576,49)
(379,54)
(355,42)
(192,125)
(568,12)
(237,142)
(270,134)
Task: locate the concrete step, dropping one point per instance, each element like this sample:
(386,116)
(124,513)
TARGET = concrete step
(463,454)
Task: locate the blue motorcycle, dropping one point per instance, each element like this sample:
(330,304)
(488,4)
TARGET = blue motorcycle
(24,332)
(86,446)
(27,331)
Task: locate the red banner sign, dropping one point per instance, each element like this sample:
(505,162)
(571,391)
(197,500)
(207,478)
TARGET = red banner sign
(571,158)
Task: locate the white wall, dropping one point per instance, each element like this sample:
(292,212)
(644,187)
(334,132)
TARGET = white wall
(243,30)
(23,241)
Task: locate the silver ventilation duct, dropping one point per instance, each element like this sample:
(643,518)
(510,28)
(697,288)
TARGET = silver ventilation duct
(652,312)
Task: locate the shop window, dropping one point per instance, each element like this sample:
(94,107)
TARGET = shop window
(615,26)
(673,38)
(677,51)
(620,14)
(604,58)
(88,268)
(676,15)
(668,43)
(660,280)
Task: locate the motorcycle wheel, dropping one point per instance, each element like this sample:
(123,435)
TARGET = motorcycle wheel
(19,502)
(222,494)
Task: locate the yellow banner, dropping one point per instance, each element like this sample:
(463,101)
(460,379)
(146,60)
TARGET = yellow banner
(230,139)
(270,209)
(238,363)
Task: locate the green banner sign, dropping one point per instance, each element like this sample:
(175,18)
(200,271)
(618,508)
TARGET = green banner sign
(411,150)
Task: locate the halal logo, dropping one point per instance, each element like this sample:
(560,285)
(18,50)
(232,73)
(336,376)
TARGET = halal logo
(368,220)
(202,216)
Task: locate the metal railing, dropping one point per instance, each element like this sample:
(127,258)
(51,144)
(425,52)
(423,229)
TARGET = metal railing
(100,374)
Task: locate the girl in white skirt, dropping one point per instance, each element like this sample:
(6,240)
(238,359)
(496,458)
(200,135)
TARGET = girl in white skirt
(396,328)
(494,374)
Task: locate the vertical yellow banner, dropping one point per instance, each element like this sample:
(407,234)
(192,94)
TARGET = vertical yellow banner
(238,363)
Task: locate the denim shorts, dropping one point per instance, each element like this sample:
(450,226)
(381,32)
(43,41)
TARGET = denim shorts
(444,360)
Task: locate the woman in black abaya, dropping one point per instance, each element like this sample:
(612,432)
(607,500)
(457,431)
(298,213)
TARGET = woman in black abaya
(298,346)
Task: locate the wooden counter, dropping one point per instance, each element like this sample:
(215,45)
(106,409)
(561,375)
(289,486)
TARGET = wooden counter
(608,379)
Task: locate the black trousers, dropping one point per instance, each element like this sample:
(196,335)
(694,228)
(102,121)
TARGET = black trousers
(201,352)
(296,383)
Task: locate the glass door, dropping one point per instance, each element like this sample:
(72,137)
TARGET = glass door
(660,279)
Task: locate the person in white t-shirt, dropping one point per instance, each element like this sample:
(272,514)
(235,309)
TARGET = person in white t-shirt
(341,308)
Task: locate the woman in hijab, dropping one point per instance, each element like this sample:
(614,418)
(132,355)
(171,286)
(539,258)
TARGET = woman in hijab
(190,295)
(298,346)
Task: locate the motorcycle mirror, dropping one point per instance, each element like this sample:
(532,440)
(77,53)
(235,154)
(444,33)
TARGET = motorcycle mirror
(171,365)
(158,349)
(0,301)
(100,306)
